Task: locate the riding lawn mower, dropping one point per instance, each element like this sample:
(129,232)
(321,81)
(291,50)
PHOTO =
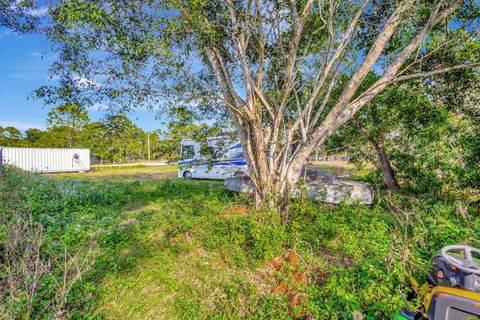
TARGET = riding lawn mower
(455,294)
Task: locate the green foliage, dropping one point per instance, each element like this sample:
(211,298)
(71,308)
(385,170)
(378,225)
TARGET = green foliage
(244,240)
(368,255)
(18,17)
(183,249)
(459,93)
(68,120)
(10,135)
(428,134)
(115,139)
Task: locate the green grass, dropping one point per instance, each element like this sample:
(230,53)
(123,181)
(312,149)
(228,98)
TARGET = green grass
(126,173)
(173,249)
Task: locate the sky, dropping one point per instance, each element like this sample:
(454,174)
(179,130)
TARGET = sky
(24,66)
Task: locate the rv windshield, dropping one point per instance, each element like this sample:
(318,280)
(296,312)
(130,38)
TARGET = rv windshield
(188,152)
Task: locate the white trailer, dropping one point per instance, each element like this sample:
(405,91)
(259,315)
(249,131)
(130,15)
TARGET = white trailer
(47,160)
(225,159)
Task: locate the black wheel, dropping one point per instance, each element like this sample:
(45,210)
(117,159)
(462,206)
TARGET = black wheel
(187,175)
(239,174)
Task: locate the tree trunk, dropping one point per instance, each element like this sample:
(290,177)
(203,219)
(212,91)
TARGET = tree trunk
(389,179)
(265,191)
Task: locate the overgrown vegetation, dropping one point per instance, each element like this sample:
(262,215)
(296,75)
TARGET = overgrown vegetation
(183,249)
(395,82)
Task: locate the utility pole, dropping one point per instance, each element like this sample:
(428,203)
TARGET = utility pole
(148,145)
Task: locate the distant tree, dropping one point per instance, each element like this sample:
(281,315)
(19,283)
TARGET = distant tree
(55,137)
(3,138)
(160,147)
(33,135)
(166,148)
(187,124)
(94,137)
(126,141)
(13,136)
(13,133)
(70,118)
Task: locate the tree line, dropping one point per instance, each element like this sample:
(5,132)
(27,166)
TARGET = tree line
(115,139)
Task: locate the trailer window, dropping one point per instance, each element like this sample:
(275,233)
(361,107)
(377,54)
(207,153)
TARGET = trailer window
(218,153)
(188,152)
(210,152)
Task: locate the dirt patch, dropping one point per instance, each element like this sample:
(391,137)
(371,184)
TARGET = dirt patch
(288,276)
(236,210)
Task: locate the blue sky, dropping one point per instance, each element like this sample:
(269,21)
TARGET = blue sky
(24,66)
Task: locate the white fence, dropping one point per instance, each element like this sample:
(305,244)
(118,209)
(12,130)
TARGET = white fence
(46,159)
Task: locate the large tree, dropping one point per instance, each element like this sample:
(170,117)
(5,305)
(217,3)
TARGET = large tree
(273,66)
(69,118)
(125,140)
(423,129)
(404,134)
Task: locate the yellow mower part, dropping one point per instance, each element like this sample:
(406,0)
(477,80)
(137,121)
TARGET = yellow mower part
(455,291)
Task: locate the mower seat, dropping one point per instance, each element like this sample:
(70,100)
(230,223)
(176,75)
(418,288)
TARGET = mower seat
(444,303)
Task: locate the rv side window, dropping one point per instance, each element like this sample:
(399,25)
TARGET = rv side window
(188,152)
(211,152)
(218,153)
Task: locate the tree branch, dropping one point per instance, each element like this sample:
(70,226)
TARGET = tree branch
(435,72)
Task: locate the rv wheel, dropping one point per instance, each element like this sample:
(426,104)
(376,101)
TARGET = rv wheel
(187,175)
(239,174)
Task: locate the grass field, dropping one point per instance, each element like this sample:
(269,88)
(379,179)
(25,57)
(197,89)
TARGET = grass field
(132,172)
(163,248)
(142,172)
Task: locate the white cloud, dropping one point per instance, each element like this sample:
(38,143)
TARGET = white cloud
(83,82)
(37,12)
(22,125)
(40,12)
(5,32)
(98,107)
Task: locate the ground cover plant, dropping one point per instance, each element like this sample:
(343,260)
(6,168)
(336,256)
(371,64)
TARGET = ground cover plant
(81,248)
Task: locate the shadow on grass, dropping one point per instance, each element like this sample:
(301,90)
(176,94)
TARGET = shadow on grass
(154,244)
(151,205)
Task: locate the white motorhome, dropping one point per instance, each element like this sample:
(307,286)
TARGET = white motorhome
(225,159)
